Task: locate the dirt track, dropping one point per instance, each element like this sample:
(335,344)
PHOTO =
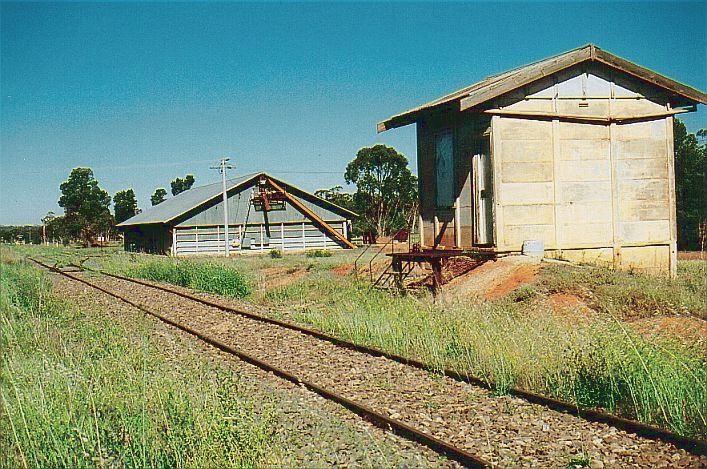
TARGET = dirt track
(505,430)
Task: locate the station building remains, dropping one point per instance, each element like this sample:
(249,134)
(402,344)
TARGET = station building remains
(575,151)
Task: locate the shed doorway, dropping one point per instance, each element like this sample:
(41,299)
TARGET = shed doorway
(482,171)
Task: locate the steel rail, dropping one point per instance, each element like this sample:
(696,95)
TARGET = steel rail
(396,426)
(692,445)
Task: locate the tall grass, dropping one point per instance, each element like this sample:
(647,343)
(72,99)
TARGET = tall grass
(509,344)
(207,277)
(515,342)
(77,389)
(633,294)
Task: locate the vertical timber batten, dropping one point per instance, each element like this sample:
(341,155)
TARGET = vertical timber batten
(670,150)
(496,155)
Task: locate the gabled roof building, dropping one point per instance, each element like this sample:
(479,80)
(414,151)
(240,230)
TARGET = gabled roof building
(575,151)
(263,213)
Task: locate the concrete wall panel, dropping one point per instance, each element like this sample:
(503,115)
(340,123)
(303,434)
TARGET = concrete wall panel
(587,212)
(526,150)
(645,231)
(638,149)
(527,172)
(525,129)
(643,189)
(640,168)
(578,234)
(580,192)
(581,131)
(524,193)
(589,149)
(529,214)
(515,235)
(652,129)
(587,170)
(641,210)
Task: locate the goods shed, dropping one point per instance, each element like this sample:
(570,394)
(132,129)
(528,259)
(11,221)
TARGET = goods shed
(574,151)
(263,213)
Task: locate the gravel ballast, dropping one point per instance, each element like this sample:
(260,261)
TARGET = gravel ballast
(504,430)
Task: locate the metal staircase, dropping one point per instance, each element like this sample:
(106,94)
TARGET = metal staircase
(394,275)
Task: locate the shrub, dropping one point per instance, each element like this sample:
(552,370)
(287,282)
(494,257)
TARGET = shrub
(318,253)
(275,254)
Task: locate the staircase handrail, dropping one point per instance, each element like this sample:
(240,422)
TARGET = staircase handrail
(358,258)
(390,241)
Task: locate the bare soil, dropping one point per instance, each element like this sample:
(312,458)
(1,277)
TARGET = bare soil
(496,278)
(276,277)
(688,330)
(692,255)
(342,270)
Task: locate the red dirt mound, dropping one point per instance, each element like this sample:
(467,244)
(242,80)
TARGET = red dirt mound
(688,330)
(522,275)
(342,270)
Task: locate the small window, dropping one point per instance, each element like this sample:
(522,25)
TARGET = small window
(444,169)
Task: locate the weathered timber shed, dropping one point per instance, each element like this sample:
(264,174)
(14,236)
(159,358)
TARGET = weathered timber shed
(263,213)
(575,150)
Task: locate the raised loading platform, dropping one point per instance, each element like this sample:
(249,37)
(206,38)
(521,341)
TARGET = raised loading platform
(403,263)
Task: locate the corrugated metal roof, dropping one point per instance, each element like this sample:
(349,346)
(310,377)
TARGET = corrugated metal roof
(193,198)
(496,85)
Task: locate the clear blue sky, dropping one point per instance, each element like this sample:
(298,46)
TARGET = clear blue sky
(143,93)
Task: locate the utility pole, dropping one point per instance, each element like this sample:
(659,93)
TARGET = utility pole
(222,167)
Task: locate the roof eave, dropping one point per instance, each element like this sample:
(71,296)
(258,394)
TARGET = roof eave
(589,52)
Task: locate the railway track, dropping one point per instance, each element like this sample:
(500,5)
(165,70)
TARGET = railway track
(446,449)
(649,431)
(694,446)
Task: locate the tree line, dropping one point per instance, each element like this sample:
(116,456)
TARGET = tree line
(87,214)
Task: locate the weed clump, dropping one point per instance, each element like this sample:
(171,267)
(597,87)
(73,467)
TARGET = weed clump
(207,277)
(318,253)
(275,254)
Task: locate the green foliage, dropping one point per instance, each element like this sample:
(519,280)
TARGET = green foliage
(690,183)
(318,253)
(386,190)
(207,277)
(86,206)
(125,204)
(336,196)
(275,254)
(579,460)
(80,389)
(22,234)
(158,197)
(180,185)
